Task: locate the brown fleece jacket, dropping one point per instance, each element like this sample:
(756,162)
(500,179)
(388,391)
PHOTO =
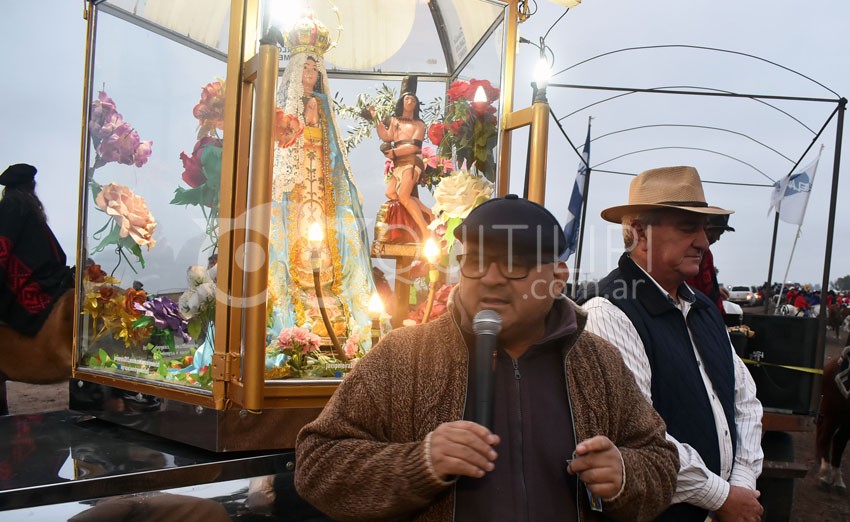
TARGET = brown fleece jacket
(363,457)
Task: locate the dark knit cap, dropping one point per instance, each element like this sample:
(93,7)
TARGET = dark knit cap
(514,223)
(17,174)
(720,221)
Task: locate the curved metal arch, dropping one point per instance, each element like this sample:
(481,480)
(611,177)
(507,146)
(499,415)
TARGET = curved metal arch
(774,107)
(730,131)
(594,167)
(700,47)
(733,183)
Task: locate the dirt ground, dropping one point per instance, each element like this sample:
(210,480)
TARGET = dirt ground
(810,503)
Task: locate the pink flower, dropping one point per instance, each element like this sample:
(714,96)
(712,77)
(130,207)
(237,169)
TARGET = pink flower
(102,111)
(142,153)
(298,339)
(120,146)
(130,211)
(350,347)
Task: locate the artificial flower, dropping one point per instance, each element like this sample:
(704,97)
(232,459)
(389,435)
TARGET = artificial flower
(459,193)
(114,139)
(287,128)
(101,114)
(94,273)
(210,110)
(435,133)
(298,340)
(351,346)
(165,315)
(468,130)
(193,168)
(130,211)
(133,297)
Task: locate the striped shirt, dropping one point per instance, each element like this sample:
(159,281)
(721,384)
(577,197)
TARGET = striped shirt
(696,484)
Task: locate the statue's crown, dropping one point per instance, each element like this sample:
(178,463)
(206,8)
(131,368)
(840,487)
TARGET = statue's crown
(308,35)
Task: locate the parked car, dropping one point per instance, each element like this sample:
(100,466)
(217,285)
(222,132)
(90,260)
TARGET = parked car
(742,295)
(758,296)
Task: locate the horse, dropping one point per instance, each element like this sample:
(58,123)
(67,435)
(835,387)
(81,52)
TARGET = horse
(41,359)
(833,422)
(835,317)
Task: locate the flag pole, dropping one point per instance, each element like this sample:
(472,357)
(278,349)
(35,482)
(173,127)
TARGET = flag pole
(800,224)
(769,288)
(577,267)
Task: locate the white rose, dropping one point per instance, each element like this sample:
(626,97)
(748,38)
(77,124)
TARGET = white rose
(197,275)
(189,304)
(206,294)
(459,193)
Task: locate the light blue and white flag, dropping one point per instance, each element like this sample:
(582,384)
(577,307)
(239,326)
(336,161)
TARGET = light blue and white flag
(791,194)
(571,228)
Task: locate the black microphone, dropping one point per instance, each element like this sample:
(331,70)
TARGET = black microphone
(486,326)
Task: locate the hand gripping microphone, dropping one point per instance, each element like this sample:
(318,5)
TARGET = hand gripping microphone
(486,326)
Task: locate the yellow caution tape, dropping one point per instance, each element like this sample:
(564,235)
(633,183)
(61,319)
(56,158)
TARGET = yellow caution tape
(795,368)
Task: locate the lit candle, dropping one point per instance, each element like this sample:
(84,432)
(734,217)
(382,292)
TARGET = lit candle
(432,251)
(376,310)
(479,102)
(315,236)
(480,95)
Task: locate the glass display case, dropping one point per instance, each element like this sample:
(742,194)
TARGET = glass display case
(247,169)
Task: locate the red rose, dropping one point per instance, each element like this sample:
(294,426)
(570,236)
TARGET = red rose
(193,173)
(435,133)
(459,89)
(454,127)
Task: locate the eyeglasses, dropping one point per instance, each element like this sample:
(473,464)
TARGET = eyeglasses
(474,266)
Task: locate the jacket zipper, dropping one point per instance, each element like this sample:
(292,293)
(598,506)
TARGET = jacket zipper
(575,435)
(517,378)
(463,409)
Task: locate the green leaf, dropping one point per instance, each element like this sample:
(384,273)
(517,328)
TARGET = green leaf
(211,164)
(112,238)
(192,196)
(142,321)
(169,340)
(195,326)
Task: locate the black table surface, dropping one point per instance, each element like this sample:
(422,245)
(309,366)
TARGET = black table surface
(66,456)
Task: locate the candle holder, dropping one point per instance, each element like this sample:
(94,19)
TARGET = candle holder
(376,310)
(432,252)
(315,239)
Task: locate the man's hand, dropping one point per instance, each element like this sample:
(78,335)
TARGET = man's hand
(724,293)
(598,464)
(462,448)
(741,504)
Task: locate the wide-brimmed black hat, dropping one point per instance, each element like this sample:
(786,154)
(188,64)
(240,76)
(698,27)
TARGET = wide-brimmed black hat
(519,225)
(17,174)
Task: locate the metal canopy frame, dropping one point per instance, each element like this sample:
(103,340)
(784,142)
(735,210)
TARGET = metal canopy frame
(453,68)
(839,110)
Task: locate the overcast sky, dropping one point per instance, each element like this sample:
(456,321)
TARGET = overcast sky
(41,107)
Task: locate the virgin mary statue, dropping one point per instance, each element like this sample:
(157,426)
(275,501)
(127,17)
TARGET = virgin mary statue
(313,184)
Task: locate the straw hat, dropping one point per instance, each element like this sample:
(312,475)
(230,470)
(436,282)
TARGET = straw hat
(668,187)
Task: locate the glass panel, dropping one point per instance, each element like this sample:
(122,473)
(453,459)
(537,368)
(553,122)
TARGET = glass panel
(152,200)
(331,172)
(198,23)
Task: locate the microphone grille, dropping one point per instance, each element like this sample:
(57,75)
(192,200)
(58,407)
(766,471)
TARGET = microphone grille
(487,322)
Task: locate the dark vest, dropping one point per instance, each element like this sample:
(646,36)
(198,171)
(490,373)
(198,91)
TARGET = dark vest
(678,392)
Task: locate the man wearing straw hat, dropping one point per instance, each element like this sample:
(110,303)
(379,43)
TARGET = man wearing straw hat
(675,343)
